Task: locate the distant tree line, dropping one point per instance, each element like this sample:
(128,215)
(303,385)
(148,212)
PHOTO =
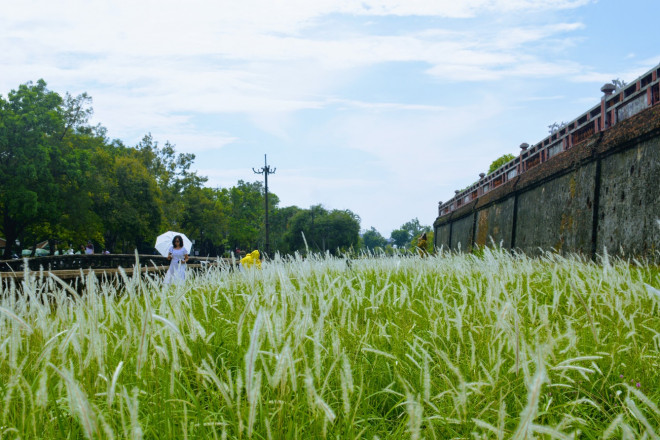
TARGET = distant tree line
(63,180)
(403,238)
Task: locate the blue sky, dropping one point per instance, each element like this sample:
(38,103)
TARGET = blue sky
(381,107)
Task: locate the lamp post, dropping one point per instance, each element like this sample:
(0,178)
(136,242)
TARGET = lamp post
(266,170)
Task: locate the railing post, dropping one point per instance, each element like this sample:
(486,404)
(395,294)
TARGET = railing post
(523,147)
(607,89)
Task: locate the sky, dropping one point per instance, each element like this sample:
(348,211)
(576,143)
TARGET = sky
(381,107)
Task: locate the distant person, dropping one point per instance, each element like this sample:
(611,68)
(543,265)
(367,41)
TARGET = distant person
(421,245)
(89,250)
(178,256)
(106,252)
(251,259)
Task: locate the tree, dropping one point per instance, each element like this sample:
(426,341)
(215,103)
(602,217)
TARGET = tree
(74,177)
(500,161)
(62,179)
(172,174)
(246,214)
(30,119)
(305,222)
(372,239)
(205,219)
(129,201)
(76,113)
(402,237)
(340,231)
(323,230)
(280,222)
(619,84)
(556,126)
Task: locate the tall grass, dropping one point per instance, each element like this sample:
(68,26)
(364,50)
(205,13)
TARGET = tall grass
(452,346)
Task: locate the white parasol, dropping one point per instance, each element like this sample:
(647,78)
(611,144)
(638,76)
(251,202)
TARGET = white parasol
(164,241)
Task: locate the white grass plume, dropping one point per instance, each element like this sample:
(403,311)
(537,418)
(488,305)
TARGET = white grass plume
(253,350)
(79,404)
(17,320)
(528,414)
(113,383)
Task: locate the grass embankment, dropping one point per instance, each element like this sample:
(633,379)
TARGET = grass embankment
(453,346)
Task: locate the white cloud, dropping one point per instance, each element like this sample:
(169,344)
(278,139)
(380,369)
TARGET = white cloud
(416,145)
(254,56)
(157,66)
(385,106)
(196,142)
(629,75)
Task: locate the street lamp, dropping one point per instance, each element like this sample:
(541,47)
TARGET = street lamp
(266,170)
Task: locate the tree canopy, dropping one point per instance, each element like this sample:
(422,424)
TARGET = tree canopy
(373,239)
(318,229)
(403,236)
(64,181)
(499,162)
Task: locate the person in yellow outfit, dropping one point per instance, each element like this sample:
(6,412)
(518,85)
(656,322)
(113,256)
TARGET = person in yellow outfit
(251,259)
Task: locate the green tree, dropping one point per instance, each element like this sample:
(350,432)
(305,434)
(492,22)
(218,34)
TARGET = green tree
(62,179)
(373,239)
(341,230)
(130,205)
(306,222)
(280,222)
(30,120)
(323,230)
(246,214)
(205,219)
(500,161)
(402,237)
(76,112)
(173,175)
(74,176)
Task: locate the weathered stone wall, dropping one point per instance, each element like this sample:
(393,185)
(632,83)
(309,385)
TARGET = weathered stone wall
(441,235)
(495,224)
(602,193)
(558,214)
(629,214)
(461,233)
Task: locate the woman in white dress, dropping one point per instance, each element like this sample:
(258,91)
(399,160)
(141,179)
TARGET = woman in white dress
(178,255)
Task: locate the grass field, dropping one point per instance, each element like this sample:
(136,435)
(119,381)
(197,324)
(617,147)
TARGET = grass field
(487,346)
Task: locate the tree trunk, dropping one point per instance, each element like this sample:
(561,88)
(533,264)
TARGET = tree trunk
(111,242)
(11,234)
(9,245)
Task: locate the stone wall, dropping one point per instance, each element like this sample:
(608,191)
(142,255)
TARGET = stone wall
(442,235)
(558,213)
(495,224)
(461,233)
(602,193)
(629,214)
